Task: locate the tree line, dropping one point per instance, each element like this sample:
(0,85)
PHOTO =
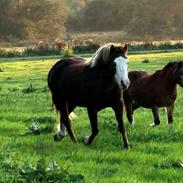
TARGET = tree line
(49,19)
(138,18)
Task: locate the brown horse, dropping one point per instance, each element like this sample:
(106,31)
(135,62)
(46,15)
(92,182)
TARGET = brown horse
(154,91)
(95,84)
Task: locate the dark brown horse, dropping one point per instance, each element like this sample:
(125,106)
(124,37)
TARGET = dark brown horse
(154,91)
(95,84)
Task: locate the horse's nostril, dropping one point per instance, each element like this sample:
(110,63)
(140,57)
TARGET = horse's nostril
(123,85)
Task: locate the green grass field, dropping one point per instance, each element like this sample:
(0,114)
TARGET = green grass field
(156,154)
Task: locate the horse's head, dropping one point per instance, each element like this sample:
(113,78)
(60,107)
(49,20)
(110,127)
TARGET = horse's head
(178,73)
(115,58)
(118,57)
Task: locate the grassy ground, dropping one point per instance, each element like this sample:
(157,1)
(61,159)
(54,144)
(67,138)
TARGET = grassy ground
(156,154)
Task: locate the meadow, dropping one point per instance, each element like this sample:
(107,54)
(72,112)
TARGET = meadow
(156,154)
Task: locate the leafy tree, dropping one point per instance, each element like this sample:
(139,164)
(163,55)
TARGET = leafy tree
(10,25)
(138,18)
(35,19)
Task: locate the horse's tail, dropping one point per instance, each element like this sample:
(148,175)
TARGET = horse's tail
(72,116)
(53,80)
(53,76)
(55,106)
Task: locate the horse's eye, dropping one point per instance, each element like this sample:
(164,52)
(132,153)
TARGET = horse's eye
(114,64)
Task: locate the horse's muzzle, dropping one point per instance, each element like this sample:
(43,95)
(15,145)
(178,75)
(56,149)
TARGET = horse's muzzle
(125,85)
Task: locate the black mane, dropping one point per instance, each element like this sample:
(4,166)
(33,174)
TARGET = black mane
(170,64)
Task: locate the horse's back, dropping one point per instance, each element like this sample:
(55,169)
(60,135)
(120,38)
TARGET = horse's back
(134,75)
(82,85)
(140,89)
(58,69)
(62,63)
(149,90)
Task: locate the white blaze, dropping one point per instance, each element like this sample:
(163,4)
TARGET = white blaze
(122,71)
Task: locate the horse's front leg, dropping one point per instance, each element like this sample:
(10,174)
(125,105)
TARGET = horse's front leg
(118,109)
(170,113)
(92,114)
(155,112)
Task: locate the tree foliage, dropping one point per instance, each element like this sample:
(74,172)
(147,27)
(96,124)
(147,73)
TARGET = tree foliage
(49,19)
(32,19)
(141,18)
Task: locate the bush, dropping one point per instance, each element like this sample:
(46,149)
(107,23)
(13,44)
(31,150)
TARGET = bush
(59,43)
(145,61)
(41,49)
(66,51)
(179,45)
(2,53)
(155,46)
(32,51)
(13,53)
(86,48)
(9,53)
(59,46)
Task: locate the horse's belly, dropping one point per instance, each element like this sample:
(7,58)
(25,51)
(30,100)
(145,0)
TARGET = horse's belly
(86,94)
(144,103)
(165,101)
(149,101)
(94,100)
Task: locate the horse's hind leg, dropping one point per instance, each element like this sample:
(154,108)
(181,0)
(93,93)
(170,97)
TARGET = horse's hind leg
(170,113)
(92,113)
(133,108)
(64,119)
(155,112)
(118,109)
(128,106)
(61,127)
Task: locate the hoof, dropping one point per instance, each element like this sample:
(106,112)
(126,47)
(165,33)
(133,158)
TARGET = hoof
(58,137)
(132,123)
(86,140)
(126,147)
(154,124)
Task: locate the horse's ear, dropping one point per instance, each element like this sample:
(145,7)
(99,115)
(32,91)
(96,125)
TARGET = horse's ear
(125,49)
(112,49)
(180,64)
